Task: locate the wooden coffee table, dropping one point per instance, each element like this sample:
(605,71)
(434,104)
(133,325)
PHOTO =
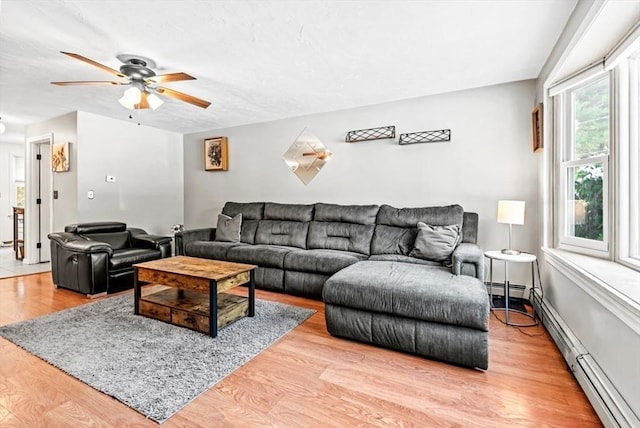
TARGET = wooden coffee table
(197,294)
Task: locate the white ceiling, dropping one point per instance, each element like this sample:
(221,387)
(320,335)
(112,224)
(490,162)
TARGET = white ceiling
(264,60)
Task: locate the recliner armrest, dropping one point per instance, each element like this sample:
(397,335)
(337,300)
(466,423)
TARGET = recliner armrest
(149,241)
(77,243)
(187,236)
(468,253)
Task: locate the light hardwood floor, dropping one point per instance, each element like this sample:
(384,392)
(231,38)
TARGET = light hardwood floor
(307,379)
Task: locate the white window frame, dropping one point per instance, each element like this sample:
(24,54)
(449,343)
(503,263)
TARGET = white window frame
(627,75)
(566,131)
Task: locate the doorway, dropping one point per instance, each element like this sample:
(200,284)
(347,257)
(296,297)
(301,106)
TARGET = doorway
(39,194)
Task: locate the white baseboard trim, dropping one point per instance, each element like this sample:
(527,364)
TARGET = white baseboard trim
(610,406)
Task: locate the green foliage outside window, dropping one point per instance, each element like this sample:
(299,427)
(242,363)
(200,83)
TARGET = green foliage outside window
(588,188)
(591,139)
(592,121)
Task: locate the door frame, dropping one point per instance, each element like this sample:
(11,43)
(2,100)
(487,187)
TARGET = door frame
(31,233)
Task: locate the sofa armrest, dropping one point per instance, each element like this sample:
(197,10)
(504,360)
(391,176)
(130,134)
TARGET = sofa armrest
(193,235)
(149,241)
(468,253)
(76,243)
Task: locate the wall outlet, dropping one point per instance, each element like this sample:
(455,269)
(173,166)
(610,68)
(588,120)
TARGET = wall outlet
(90,194)
(110,178)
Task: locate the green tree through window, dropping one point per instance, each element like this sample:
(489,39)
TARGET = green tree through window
(591,138)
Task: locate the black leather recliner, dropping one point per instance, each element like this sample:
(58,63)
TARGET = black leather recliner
(97,258)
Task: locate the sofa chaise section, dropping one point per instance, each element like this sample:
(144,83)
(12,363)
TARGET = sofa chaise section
(415,308)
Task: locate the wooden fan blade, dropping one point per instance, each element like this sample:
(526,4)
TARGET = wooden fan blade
(171,77)
(95,64)
(144,102)
(88,82)
(183,97)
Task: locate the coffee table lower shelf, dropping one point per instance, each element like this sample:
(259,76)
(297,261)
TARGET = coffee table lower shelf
(190,309)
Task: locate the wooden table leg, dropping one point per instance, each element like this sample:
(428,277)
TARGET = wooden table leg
(136,292)
(213,308)
(252,293)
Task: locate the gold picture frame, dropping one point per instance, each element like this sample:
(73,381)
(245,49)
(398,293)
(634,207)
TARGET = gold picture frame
(60,157)
(216,156)
(536,128)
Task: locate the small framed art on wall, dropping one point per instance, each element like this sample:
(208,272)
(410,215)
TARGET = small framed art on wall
(536,127)
(216,154)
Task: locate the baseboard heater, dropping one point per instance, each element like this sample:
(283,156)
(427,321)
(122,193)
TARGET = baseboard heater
(611,408)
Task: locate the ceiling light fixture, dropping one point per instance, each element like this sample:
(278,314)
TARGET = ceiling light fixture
(154,101)
(131,97)
(2,127)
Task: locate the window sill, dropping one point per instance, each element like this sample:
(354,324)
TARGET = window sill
(613,285)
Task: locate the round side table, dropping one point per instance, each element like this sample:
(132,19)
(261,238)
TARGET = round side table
(512,258)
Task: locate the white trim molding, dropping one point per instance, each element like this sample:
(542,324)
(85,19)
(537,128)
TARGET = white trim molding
(620,297)
(610,406)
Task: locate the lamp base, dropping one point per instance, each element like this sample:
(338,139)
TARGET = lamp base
(510,252)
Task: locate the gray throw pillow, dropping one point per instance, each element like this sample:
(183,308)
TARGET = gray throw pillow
(228,229)
(436,242)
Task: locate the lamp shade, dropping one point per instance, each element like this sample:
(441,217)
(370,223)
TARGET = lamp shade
(154,101)
(130,98)
(511,212)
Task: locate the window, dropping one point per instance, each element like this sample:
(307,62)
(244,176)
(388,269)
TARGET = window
(17,197)
(584,167)
(630,222)
(597,170)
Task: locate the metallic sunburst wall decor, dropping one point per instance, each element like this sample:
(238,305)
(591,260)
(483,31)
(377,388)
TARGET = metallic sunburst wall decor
(306,156)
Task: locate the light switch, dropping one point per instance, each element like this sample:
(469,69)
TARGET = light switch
(110,178)
(90,194)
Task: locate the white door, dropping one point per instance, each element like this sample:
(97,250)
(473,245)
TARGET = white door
(44,195)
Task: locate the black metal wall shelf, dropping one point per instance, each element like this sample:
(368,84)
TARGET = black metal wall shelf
(371,134)
(437,136)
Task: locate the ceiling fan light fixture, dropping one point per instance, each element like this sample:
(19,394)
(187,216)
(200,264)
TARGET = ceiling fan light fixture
(130,98)
(154,101)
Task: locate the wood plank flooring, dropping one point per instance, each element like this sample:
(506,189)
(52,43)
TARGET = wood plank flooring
(307,379)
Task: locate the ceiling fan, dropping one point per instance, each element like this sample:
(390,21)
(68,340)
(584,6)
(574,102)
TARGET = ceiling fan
(143,81)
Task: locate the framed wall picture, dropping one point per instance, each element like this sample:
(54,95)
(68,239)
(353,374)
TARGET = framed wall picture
(216,154)
(536,127)
(60,157)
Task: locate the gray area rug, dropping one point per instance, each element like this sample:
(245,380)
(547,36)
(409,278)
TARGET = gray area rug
(151,366)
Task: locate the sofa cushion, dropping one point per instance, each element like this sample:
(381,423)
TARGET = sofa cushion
(320,261)
(402,259)
(410,290)
(436,242)
(214,250)
(358,214)
(286,233)
(228,228)
(117,240)
(271,256)
(249,210)
(340,236)
(396,228)
(289,212)
(409,217)
(127,257)
(251,213)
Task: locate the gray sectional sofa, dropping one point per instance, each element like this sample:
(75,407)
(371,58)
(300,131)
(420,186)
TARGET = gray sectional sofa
(360,260)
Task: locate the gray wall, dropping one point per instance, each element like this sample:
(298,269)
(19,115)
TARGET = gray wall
(148,166)
(488,158)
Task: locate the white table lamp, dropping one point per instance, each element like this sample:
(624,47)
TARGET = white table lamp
(510,212)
